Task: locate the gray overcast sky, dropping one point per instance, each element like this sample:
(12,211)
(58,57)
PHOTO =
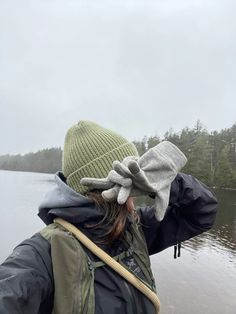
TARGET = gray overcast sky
(137,67)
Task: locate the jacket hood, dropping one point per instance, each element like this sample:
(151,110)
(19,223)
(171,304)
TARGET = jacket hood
(65,203)
(77,209)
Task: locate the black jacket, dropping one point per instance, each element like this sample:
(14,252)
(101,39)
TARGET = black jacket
(26,277)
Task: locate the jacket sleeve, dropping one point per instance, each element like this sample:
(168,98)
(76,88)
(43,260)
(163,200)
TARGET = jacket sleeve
(26,281)
(191,211)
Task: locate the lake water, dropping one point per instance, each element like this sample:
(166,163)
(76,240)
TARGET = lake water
(202,280)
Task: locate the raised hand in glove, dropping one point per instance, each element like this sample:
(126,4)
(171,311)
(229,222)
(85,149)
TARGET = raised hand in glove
(151,174)
(117,185)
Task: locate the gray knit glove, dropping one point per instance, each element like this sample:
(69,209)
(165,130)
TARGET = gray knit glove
(118,184)
(151,174)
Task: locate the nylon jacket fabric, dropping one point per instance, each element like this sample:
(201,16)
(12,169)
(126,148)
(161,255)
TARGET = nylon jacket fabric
(26,277)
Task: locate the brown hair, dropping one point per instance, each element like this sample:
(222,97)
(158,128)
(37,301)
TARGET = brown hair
(115,217)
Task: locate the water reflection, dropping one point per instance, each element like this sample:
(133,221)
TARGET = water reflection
(222,237)
(225,225)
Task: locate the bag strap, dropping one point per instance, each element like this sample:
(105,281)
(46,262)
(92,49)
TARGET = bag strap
(107,259)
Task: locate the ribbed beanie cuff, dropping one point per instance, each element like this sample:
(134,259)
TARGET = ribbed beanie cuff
(98,168)
(89,151)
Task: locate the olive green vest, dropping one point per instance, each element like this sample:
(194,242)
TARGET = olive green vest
(73,270)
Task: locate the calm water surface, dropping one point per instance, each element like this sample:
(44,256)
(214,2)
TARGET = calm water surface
(203,280)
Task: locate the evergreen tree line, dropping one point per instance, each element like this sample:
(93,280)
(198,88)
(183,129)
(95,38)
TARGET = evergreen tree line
(46,160)
(211,156)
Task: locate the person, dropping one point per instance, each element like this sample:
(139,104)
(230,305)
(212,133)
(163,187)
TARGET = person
(53,272)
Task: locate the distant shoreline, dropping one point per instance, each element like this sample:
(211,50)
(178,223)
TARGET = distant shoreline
(52,173)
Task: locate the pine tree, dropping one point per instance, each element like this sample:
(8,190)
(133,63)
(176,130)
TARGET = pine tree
(224,175)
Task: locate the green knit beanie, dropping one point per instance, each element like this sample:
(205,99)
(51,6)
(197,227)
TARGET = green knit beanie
(89,151)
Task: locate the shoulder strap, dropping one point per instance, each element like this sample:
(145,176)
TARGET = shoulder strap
(122,271)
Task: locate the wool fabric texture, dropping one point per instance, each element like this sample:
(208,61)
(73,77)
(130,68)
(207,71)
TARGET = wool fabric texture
(89,151)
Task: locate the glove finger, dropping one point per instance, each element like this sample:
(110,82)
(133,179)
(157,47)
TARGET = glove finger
(133,166)
(123,194)
(113,176)
(139,178)
(126,160)
(121,169)
(111,194)
(93,183)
